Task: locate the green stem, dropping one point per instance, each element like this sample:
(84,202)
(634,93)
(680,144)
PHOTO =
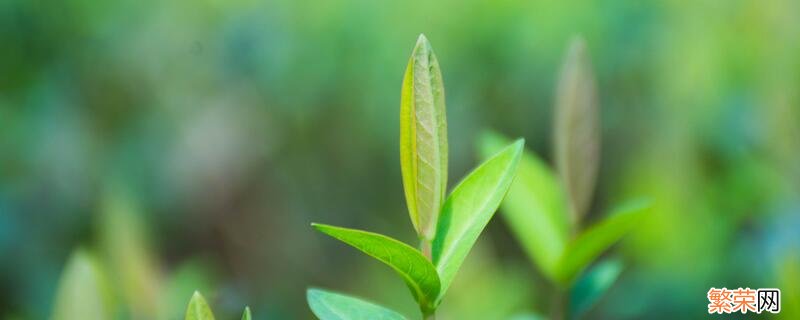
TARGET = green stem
(426,248)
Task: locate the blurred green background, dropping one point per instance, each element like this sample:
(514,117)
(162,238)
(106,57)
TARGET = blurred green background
(189,144)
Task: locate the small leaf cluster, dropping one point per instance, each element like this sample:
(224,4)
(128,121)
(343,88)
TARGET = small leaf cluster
(447,225)
(545,207)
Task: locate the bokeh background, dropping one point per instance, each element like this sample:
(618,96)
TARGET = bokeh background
(189,144)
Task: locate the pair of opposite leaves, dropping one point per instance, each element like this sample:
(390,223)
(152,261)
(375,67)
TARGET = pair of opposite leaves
(447,226)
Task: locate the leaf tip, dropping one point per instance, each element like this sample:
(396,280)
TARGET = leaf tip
(422,41)
(247,315)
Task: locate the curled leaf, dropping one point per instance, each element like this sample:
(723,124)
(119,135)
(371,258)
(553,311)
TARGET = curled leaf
(577,129)
(423,139)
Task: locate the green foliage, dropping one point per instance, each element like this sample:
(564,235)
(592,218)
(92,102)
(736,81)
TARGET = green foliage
(198,308)
(334,306)
(534,208)
(544,212)
(423,139)
(470,207)
(592,242)
(83,290)
(416,270)
(448,229)
(577,129)
(592,285)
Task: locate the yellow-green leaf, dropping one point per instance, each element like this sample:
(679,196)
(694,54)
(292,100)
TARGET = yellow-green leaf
(246,315)
(577,129)
(470,207)
(534,207)
(83,290)
(198,308)
(423,139)
(328,305)
(598,238)
(124,240)
(410,264)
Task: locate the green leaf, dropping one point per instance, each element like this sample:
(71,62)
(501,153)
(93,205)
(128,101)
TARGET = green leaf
(246,315)
(334,306)
(592,285)
(198,308)
(577,129)
(124,241)
(83,290)
(416,270)
(534,207)
(188,277)
(592,242)
(423,139)
(469,208)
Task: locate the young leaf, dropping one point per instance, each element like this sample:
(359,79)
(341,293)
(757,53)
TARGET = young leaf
(246,315)
(534,207)
(82,291)
(592,285)
(592,242)
(423,139)
(334,306)
(416,270)
(198,308)
(470,207)
(124,239)
(577,129)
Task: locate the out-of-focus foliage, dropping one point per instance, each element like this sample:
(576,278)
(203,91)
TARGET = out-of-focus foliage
(235,123)
(83,291)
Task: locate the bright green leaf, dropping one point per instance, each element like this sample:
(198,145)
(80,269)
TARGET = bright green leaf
(82,291)
(423,139)
(470,207)
(577,129)
(334,306)
(592,285)
(416,270)
(198,308)
(246,315)
(534,207)
(592,242)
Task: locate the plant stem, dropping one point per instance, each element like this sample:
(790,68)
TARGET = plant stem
(425,248)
